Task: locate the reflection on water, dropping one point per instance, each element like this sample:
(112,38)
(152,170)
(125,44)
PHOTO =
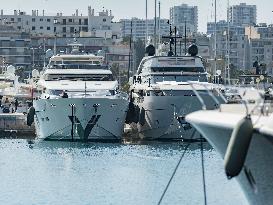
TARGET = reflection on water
(94,173)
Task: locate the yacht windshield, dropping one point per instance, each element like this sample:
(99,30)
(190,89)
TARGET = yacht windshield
(178,69)
(180,78)
(81,77)
(76,65)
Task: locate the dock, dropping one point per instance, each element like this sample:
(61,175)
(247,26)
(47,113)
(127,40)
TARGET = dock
(13,125)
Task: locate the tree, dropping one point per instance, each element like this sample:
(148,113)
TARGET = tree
(125,40)
(235,72)
(139,46)
(115,70)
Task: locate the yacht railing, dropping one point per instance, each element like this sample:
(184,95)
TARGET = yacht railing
(255,101)
(214,91)
(119,95)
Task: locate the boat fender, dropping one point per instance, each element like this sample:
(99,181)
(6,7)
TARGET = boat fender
(142,117)
(136,114)
(30,116)
(131,113)
(238,147)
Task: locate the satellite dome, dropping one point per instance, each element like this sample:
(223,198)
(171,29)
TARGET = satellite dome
(150,50)
(11,69)
(193,50)
(35,73)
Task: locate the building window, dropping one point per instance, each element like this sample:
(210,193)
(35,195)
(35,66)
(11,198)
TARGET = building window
(64,21)
(64,29)
(72,30)
(12,19)
(19,27)
(54,29)
(33,19)
(70,20)
(104,20)
(41,27)
(48,20)
(85,22)
(33,28)
(41,19)
(48,28)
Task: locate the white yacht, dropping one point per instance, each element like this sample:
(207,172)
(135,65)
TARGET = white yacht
(161,96)
(79,100)
(243,135)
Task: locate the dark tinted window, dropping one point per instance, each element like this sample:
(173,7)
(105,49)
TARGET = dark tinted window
(178,69)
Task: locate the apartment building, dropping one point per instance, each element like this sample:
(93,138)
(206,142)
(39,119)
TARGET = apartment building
(222,26)
(139,27)
(185,16)
(40,24)
(261,45)
(242,14)
(14,46)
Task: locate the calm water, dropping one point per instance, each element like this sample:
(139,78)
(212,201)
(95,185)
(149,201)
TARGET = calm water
(75,173)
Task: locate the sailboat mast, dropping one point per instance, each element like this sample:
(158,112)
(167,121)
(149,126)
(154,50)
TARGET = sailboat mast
(228,45)
(155,26)
(215,38)
(159,17)
(146,23)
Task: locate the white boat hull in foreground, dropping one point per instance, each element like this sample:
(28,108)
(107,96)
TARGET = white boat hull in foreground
(256,178)
(94,118)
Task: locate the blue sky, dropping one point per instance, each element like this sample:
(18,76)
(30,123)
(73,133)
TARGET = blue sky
(136,8)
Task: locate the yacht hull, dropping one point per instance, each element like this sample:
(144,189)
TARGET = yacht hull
(80,118)
(163,117)
(256,178)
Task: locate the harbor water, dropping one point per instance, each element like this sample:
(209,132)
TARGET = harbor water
(100,173)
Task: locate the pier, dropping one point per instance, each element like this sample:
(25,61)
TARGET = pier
(13,125)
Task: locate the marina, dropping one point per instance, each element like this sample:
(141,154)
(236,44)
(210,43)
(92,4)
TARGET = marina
(100,109)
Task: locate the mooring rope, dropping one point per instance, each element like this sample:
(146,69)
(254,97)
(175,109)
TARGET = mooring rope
(203,170)
(174,172)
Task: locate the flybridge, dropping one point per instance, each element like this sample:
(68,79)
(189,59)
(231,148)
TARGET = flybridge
(76,62)
(172,64)
(185,61)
